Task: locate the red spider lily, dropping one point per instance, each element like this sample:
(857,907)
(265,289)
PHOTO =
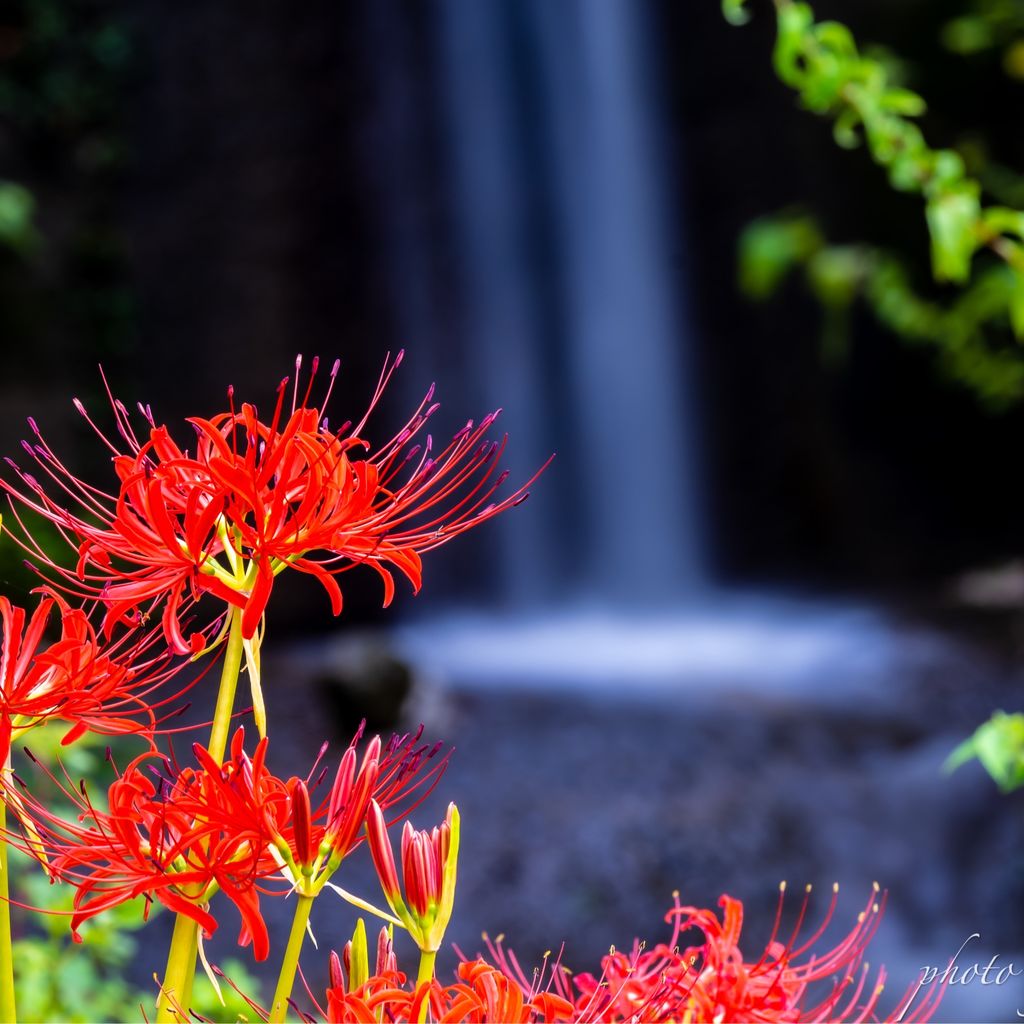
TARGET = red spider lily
(95,685)
(181,835)
(777,986)
(256,498)
(315,840)
(177,836)
(429,863)
(707,983)
(713,982)
(481,994)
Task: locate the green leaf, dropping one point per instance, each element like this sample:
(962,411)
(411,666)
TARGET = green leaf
(967,35)
(735,12)
(1016,308)
(908,172)
(961,755)
(953,218)
(999,745)
(904,102)
(820,91)
(836,37)
(770,247)
(845,128)
(947,168)
(835,274)
(17,207)
(1003,221)
(794,25)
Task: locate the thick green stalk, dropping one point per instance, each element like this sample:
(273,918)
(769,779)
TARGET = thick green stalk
(286,979)
(181,957)
(228,684)
(425,973)
(8,1012)
(176,993)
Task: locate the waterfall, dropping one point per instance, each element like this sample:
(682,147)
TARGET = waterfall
(560,248)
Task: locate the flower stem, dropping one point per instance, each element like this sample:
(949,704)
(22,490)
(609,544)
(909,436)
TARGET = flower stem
(176,993)
(181,957)
(425,974)
(228,684)
(285,980)
(8,1010)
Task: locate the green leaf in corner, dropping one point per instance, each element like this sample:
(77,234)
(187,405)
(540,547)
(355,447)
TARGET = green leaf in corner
(999,745)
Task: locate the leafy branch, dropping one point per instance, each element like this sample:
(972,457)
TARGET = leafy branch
(773,247)
(820,60)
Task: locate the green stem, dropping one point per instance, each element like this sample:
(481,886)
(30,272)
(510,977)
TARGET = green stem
(228,684)
(181,957)
(286,979)
(176,994)
(425,973)
(8,1012)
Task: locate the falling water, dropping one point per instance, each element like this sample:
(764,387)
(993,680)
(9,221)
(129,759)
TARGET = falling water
(559,236)
(565,233)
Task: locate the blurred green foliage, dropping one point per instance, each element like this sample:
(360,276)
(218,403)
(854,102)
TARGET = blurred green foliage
(60,980)
(17,208)
(64,68)
(976,247)
(990,25)
(960,331)
(63,64)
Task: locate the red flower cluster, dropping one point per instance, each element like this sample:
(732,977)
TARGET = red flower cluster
(180,835)
(255,498)
(713,981)
(94,684)
(703,983)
